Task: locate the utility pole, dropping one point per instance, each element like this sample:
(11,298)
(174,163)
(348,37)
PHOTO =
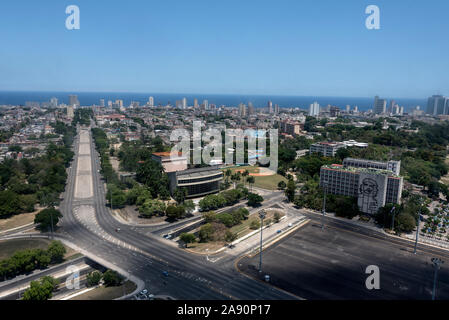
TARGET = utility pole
(436,263)
(324,204)
(261,216)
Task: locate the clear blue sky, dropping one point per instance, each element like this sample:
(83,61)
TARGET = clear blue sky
(234,46)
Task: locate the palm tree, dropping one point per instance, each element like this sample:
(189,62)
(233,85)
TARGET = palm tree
(251,181)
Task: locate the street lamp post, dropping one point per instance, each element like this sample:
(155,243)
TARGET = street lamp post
(392,219)
(261,216)
(436,263)
(324,204)
(417,227)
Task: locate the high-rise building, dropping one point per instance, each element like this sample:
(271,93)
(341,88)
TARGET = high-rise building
(119,103)
(380,105)
(437,105)
(70,113)
(276,109)
(392,105)
(314,109)
(206,104)
(348,108)
(151,102)
(184,103)
(73,100)
(242,110)
(270,107)
(54,102)
(101,102)
(195,103)
(250,108)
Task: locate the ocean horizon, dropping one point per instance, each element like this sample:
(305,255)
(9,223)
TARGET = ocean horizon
(229,100)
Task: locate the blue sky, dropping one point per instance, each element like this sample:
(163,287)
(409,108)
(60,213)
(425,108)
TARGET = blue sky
(245,47)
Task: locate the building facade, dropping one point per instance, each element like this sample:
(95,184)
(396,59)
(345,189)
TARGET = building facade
(197,182)
(327,149)
(372,187)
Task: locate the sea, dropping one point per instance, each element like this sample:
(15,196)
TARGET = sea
(229,100)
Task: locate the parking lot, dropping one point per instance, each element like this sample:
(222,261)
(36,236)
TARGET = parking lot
(331,264)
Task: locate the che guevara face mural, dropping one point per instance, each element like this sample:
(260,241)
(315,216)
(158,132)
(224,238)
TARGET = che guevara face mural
(368,191)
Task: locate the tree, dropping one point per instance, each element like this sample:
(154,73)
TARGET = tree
(175,212)
(206,232)
(47,218)
(230,236)
(180,195)
(187,238)
(254,225)
(111,278)
(276,217)
(152,175)
(152,207)
(254,199)
(189,206)
(41,290)
(290,191)
(209,216)
(282,185)
(251,181)
(93,278)
(56,250)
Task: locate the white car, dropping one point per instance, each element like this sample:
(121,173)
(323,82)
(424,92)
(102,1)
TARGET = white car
(144,291)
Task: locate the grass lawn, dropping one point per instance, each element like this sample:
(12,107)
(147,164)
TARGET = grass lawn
(107,293)
(9,247)
(264,182)
(17,221)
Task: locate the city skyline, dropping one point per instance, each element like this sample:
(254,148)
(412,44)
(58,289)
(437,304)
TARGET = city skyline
(170,48)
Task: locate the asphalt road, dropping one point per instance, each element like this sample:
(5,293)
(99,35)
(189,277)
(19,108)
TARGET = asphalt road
(331,264)
(190,276)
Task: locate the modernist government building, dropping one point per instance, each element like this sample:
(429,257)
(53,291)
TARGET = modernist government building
(373,183)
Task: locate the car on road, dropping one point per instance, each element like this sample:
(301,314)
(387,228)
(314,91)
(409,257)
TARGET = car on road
(168,236)
(144,291)
(117,229)
(165,273)
(279,231)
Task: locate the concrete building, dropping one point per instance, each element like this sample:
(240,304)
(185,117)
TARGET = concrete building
(393,166)
(73,100)
(373,188)
(250,108)
(380,105)
(327,149)
(198,182)
(70,113)
(314,109)
(242,110)
(291,127)
(437,105)
(170,165)
(270,107)
(151,102)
